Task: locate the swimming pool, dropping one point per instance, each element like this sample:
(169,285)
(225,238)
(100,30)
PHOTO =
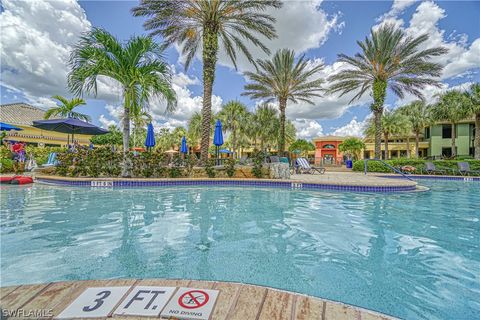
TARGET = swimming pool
(411,255)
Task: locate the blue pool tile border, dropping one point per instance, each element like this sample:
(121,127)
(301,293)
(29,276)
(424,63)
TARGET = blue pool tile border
(238,183)
(432,177)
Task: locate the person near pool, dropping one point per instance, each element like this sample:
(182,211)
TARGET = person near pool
(18,156)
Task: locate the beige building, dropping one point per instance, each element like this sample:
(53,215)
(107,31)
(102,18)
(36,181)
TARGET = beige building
(22,115)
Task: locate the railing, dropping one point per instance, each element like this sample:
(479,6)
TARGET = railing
(389,166)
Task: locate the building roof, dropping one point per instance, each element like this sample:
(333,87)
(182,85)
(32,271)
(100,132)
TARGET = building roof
(329,138)
(20,113)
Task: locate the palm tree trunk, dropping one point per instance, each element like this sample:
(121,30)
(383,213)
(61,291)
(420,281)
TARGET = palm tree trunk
(281,140)
(386,147)
(378,135)
(408,147)
(417,144)
(126,140)
(210,49)
(454,153)
(379,93)
(234,141)
(476,143)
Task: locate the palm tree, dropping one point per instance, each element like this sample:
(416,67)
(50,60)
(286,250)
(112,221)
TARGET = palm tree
(389,59)
(191,23)
(352,147)
(140,120)
(418,115)
(393,123)
(264,125)
(136,65)
(65,109)
(474,96)
(233,116)
(452,106)
(283,79)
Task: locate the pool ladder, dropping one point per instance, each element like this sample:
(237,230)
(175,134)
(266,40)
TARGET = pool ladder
(386,164)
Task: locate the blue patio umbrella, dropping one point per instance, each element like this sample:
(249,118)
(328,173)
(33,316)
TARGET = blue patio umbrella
(69,125)
(183,148)
(218,135)
(225,151)
(218,138)
(150,140)
(8,127)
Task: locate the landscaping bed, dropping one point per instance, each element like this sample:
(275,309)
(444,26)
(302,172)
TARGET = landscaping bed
(419,165)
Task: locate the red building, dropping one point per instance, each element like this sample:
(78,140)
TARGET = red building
(326,150)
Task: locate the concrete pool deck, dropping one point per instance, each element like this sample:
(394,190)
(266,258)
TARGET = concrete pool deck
(235,301)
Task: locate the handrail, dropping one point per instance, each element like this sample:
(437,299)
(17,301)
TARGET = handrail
(389,166)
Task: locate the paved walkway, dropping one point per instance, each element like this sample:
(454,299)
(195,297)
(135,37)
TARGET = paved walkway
(352,179)
(234,302)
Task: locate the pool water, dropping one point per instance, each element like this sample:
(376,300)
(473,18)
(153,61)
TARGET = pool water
(410,255)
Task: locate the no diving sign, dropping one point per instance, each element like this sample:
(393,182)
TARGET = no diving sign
(189,303)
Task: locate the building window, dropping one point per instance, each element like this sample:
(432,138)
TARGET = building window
(329,146)
(427,133)
(447,131)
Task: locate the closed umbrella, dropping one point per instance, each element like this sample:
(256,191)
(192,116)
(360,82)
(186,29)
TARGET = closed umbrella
(183,148)
(150,140)
(218,138)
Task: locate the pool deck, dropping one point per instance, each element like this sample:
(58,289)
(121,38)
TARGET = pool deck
(235,301)
(352,181)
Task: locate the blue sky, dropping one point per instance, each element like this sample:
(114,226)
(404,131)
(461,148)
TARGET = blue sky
(35,50)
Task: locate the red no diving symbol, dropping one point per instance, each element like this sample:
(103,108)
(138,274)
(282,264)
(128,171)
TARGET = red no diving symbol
(193,299)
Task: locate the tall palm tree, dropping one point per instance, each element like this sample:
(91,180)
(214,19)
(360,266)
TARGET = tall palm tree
(191,23)
(136,65)
(65,109)
(233,116)
(418,115)
(452,106)
(389,59)
(283,79)
(474,96)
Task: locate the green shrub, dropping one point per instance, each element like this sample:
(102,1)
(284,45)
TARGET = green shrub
(6,165)
(230,167)
(209,168)
(377,166)
(258,160)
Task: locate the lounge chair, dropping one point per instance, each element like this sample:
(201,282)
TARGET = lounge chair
(52,160)
(305,167)
(430,168)
(464,169)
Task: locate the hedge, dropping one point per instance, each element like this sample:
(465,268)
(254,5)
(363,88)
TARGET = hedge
(40,155)
(419,164)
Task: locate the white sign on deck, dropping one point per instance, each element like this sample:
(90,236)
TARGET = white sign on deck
(101,184)
(94,302)
(190,303)
(145,301)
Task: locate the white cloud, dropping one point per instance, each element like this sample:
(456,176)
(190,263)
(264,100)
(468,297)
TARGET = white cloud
(307,129)
(328,106)
(460,58)
(37,38)
(300,25)
(397,8)
(105,123)
(354,128)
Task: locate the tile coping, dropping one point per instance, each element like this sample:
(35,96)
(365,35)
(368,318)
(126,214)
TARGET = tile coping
(294,184)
